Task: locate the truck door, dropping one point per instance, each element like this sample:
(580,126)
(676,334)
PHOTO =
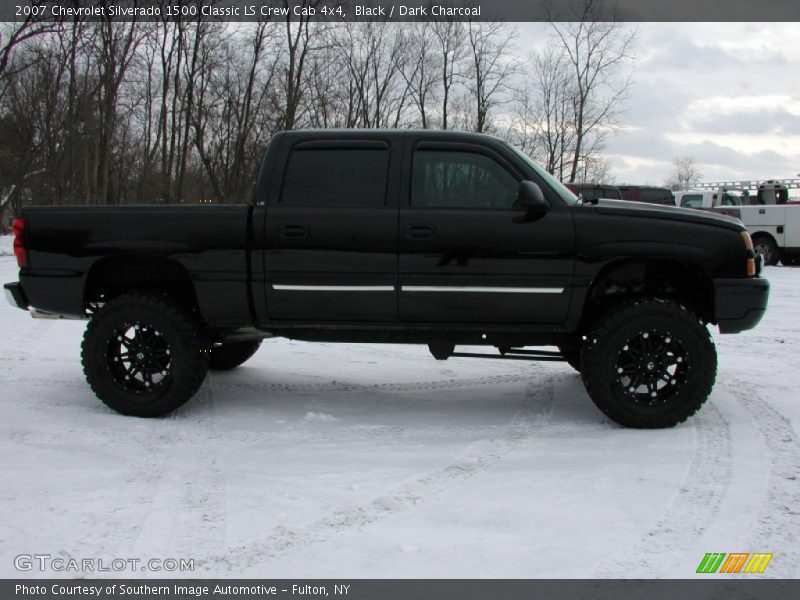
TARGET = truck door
(465,255)
(331,231)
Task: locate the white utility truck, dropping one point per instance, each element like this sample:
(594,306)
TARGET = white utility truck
(773,222)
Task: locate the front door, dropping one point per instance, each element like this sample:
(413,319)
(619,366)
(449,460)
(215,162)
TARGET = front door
(466,256)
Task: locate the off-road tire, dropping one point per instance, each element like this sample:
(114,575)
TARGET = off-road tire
(175,339)
(570,348)
(680,354)
(231,354)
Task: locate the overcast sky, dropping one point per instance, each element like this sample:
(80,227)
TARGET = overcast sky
(727,94)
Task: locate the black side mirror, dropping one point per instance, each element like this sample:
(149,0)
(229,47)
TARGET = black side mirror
(531,198)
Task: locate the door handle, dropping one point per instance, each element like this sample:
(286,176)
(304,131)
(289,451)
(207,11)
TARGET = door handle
(419,232)
(294,232)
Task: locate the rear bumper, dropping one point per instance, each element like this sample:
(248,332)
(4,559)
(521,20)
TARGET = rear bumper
(739,304)
(15,295)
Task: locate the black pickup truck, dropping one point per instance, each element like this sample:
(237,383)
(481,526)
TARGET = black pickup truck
(418,237)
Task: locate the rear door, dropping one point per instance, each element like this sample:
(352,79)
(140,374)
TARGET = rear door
(331,231)
(465,255)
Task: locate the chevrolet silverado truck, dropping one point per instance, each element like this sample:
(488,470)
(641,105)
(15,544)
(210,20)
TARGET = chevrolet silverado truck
(415,237)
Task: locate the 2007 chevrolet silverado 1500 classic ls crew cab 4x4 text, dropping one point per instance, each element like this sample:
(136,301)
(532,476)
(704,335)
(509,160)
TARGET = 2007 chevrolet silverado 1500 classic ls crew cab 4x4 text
(437,238)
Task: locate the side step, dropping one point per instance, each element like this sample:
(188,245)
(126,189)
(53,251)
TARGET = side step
(443,351)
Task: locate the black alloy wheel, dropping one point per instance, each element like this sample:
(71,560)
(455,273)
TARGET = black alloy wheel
(138,357)
(652,367)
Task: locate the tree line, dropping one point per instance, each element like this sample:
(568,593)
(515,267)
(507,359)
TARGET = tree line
(180,111)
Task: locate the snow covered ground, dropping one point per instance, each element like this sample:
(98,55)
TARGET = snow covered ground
(321,460)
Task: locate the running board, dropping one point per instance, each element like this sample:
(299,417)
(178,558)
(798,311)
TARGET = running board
(515,354)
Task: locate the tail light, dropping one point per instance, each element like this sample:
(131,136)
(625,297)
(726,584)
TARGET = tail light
(19,245)
(751,256)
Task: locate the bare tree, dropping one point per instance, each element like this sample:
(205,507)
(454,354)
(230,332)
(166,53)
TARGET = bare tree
(598,48)
(686,174)
(13,35)
(300,37)
(491,66)
(552,97)
(230,119)
(117,45)
(180,110)
(421,70)
(595,168)
(375,56)
(451,50)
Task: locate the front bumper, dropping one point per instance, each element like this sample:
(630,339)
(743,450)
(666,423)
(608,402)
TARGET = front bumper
(16,296)
(739,304)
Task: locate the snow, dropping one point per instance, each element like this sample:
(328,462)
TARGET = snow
(340,460)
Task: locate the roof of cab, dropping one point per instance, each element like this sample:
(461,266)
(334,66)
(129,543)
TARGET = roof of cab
(389,133)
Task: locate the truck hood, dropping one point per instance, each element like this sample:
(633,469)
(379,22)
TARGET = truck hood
(659,211)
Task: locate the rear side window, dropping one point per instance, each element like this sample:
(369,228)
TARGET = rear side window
(592,192)
(336,177)
(449,179)
(611,192)
(692,200)
(628,193)
(656,196)
(731,200)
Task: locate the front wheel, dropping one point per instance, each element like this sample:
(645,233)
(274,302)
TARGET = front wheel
(650,363)
(143,355)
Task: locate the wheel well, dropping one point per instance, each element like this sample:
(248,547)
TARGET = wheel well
(764,234)
(112,276)
(674,279)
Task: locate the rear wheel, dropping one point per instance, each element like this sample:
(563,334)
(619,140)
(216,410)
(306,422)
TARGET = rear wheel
(649,363)
(231,354)
(143,355)
(767,248)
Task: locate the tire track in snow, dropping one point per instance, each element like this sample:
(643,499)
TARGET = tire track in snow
(481,456)
(200,517)
(111,532)
(267,387)
(778,521)
(136,520)
(690,510)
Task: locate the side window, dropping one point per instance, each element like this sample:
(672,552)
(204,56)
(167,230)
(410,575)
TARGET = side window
(657,196)
(592,192)
(628,193)
(692,200)
(612,193)
(336,177)
(730,200)
(445,179)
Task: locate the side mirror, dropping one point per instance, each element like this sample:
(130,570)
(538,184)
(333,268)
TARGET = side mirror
(531,198)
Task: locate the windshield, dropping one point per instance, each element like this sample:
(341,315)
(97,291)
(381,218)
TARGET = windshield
(559,187)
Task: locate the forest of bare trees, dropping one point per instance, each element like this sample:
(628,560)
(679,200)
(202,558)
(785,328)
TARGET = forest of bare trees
(152,112)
